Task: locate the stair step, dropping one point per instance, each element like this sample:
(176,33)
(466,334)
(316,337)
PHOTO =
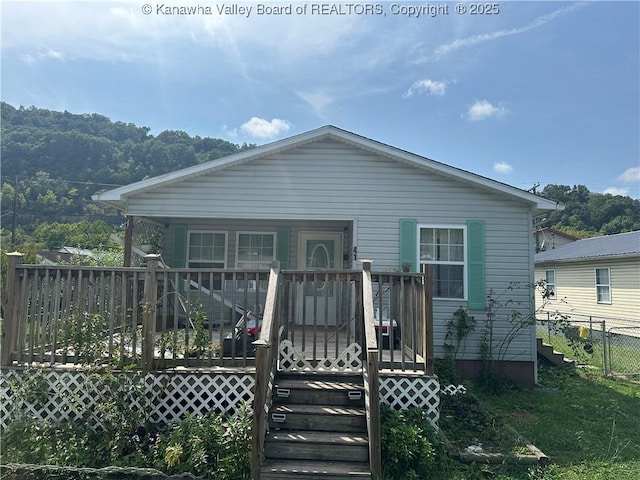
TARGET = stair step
(319,389)
(312,445)
(281,470)
(548,352)
(318,417)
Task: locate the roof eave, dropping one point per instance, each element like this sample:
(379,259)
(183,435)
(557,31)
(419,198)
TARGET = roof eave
(621,256)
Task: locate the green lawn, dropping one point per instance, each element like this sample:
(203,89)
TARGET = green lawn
(588,425)
(623,352)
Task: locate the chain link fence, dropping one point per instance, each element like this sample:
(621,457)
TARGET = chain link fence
(611,344)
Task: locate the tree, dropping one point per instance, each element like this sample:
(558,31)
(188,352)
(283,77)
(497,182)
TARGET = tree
(587,214)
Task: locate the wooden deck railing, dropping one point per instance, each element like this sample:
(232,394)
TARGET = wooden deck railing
(150,317)
(158,317)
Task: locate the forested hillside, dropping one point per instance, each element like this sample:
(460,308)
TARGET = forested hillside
(587,214)
(55,161)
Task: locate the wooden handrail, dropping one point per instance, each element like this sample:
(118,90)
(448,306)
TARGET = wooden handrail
(266,349)
(371,375)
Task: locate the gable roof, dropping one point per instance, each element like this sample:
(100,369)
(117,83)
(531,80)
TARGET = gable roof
(117,197)
(558,233)
(620,245)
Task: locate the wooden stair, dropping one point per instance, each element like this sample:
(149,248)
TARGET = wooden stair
(556,358)
(317,428)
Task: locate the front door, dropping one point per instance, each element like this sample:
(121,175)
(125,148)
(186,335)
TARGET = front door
(320,251)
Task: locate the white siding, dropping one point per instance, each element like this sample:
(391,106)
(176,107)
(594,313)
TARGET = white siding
(330,180)
(576,291)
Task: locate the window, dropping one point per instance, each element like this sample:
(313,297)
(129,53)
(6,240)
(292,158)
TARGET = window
(207,249)
(444,249)
(603,285)
(550,277)
(255,250)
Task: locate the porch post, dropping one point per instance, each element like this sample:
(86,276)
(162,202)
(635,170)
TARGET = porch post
(128,241)
(428,319)
(149,312)
(12,313)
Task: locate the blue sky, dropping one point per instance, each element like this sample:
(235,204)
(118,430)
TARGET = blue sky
(535,92)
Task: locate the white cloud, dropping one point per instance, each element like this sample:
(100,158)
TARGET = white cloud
(502,167)
(261,128)
(43,53)
(630,175)
(459,43)
(617,191)
(430,87)
(318,99)
(482,109)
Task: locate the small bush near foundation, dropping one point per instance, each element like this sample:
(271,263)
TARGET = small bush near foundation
(410,449)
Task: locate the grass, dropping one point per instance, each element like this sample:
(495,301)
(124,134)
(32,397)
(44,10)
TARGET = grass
(587,424)
(623,352)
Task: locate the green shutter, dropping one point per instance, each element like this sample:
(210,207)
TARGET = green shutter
(408,243)
(477,294)
(179,251)
(283,235)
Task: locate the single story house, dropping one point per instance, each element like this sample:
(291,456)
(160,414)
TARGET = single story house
(329,198)
(598,277)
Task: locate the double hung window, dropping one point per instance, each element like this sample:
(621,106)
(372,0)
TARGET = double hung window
(255,250)
(603,285)
(443,247)
(207,249)
(550,278)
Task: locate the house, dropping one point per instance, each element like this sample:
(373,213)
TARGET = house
(548,238)
(329,198)
(597,277)
(63,255)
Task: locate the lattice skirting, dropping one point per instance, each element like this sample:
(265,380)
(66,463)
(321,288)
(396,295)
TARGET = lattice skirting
(164,397)
(167,397)
(290,359)
(402,393)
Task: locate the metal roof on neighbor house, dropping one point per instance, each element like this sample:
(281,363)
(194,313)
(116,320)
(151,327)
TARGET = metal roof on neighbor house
(620,245)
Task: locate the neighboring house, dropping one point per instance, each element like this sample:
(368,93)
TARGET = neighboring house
(597,277)
(329,198)
(62,256)
(548,238)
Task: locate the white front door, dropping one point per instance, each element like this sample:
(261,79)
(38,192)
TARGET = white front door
(320,251)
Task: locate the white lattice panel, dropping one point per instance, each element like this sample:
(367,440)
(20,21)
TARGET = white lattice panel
(401,393)
(164,396)
(453,390)
(350,359)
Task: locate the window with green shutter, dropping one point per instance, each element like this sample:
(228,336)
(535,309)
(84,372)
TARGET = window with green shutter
(456,255)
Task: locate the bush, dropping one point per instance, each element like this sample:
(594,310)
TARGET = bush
(409,444)
(210,445)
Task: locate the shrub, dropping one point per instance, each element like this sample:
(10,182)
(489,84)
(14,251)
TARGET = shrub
(407,440)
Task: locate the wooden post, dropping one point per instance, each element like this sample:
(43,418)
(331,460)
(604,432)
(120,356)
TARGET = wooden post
(428,320)
(12,313)
(375,449)
(259,406)
(149,312)
(128,241)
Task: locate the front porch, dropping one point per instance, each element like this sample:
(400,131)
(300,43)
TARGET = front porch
(206,332)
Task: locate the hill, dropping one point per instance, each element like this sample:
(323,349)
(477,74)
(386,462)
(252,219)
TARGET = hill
(57,160)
